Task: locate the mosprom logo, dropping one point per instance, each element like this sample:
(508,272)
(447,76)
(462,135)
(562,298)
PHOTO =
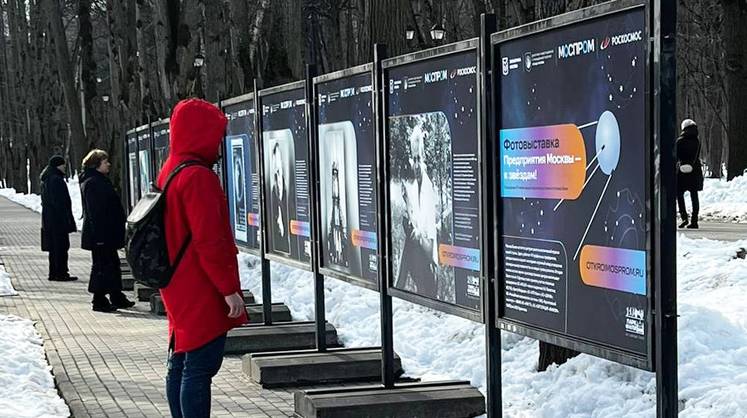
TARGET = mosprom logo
(574,49)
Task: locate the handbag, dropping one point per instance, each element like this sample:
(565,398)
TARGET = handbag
(688,168)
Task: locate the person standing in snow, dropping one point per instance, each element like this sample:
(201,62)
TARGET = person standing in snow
(203,300)
(103,232)
(689,172)
(57,219)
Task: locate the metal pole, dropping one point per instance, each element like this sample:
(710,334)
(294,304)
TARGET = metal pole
(665,260)
(265,263)
(382,169)
(487,136)
(314,201)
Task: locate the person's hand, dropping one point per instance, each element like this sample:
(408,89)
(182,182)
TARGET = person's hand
(235,305)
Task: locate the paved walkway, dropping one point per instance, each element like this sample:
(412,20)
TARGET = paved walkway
(718,231)
(107,365)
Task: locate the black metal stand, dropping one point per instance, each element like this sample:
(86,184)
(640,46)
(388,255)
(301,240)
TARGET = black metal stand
(665,266)
(488,25)
(266,272)
(313,136)
(387,333)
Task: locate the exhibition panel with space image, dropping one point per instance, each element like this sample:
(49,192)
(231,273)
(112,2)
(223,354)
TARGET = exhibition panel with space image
(347,177)
(434,182)
(573,145)
(286,183)
(242,171)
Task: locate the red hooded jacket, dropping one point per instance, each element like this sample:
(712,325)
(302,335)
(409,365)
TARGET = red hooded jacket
(194,299)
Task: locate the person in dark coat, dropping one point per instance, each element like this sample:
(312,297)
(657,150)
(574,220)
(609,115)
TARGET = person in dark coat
(57,219)
(689,172)
(103,232)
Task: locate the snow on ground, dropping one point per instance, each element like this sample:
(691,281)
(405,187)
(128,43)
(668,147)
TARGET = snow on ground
(722,200)
(26,385)
(33,201)
(6,287)
(712,342)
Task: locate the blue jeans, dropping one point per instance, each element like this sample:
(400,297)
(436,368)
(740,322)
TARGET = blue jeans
(189,378)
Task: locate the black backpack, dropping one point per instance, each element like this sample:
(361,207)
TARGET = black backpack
(146,250)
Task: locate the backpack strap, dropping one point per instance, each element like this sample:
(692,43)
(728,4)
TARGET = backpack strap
(188,238)
(177,170)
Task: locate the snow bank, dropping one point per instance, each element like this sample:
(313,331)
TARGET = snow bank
(712,342)
(723,200)
(6,287)
(26,385)
(33,201)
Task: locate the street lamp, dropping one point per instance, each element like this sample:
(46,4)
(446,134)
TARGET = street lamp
(438,32)
(199,61)
(409,32)
(105,98)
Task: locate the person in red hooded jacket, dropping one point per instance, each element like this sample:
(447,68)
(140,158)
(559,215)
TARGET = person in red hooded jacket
(203,299)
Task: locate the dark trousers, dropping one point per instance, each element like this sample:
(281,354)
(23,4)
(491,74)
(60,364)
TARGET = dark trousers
(683,209)
(189,378)
(58,247)
(106,274)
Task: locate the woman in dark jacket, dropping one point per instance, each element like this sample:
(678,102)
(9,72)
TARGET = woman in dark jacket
(57,219)
(103,232)
(689,172)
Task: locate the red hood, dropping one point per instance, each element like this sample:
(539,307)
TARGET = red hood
(196,131)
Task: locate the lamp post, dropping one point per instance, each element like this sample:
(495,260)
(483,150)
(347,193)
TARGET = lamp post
(410,32)
(198,63)
(438,32)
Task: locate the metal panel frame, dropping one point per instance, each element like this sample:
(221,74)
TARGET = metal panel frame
(470,45)
(576,343)
(335,76)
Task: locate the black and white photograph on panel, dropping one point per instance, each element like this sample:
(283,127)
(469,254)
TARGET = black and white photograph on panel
(242,173)
(133,176)
(238,187)
(160,144)
(286,152)
(146,176)
(434,179)
(347,177)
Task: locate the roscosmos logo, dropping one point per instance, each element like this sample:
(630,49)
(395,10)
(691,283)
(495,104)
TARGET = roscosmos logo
(621,39)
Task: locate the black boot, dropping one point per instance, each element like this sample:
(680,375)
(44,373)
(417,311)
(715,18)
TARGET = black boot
(102,304)
(684,222)
(693,224)
(63,279)
(120,301)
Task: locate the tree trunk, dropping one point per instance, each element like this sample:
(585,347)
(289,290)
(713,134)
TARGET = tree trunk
(65,69)
(735,45)
(553,354)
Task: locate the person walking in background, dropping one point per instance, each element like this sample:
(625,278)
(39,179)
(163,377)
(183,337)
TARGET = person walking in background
(203,300)
(57,219)
(689,172)
(103,232)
